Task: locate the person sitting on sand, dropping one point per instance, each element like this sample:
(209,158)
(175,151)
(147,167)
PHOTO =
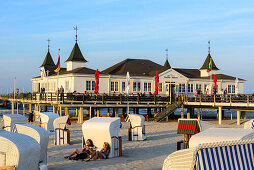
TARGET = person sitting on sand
(103,154)
(87,150)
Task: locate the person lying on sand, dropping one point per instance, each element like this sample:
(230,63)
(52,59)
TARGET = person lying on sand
(87,150)
(103,154)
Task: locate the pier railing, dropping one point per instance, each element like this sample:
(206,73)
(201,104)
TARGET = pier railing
(86,98)
(229,98)
(83,98)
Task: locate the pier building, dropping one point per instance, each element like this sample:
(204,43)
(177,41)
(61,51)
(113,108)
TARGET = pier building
(76,77)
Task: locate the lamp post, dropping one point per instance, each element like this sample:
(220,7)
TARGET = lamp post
(14,88)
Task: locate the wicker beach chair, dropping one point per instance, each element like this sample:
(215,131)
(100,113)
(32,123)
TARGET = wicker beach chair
(103,129)
(11,119)
(19,151)
(236,154)
(62,135)
(190,127)
(37,133)
(47,119)
(137,127)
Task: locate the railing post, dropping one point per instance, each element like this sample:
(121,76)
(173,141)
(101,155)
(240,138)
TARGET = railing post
(214,97)
(230,99)
(248,100)
(120,98)
(83,98)
(138,99)
(51,96)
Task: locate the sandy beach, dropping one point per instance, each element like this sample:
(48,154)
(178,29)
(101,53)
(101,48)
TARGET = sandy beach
(148,154)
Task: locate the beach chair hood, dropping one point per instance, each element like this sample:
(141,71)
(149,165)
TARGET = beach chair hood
(19,150)
(48,118)
(60,122)
(100,130)
(136,120)
(11,119)
(220,135)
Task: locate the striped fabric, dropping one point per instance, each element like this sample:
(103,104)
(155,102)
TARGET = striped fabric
(227,157)
(190,127)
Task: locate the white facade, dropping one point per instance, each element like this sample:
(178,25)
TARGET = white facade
(116,84)
(71,65)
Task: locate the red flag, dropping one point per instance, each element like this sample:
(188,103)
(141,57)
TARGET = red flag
(156,83)
(214,82)
(96,88)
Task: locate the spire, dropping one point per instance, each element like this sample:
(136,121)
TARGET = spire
(167,65)
(48,61)
(207,60)
(76,54)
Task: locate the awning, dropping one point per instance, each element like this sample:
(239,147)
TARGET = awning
(190,127)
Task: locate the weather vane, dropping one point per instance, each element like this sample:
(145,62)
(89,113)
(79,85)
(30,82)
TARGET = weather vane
(76,29)
(166,53)
(209,48)
(48,43)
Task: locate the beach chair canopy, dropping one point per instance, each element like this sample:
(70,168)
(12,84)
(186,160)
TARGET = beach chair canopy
(192,126)
(100,130)
(60,122)
(220,135)
(236,154)
(19,150)
(249,124)
(136,120)
(11,119)
(37,133)
(48,118)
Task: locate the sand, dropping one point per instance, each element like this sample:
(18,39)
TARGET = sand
(148,154)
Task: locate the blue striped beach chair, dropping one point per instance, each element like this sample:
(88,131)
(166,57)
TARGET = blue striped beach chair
(212,156)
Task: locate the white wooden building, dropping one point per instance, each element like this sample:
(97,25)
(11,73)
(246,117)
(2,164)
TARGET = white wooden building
(77,77)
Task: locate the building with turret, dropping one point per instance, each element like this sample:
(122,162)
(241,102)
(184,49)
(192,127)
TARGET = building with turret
(76,77)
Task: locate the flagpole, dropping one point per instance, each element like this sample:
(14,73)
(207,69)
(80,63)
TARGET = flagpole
(57,87)
(58,75)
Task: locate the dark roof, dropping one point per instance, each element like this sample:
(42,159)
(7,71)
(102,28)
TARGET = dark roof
(76,54)
(207,61)
(195,73)
(167,65)
(81,70)
(48,61)
(189,73)
(137,67)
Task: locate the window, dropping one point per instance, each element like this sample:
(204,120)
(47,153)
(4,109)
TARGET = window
(114,86)
(147,87)
(123,86)
(181,88)
(160,87)
(205,88)
(67,86)
(190,88)
(90,85)
(231,88)
(198,86)
(136,86)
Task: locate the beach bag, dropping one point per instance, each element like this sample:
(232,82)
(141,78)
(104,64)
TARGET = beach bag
(82,155)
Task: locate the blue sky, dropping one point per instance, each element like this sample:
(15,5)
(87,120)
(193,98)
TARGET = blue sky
(113,30)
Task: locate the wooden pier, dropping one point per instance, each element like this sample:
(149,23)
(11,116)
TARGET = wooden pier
(160,104)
